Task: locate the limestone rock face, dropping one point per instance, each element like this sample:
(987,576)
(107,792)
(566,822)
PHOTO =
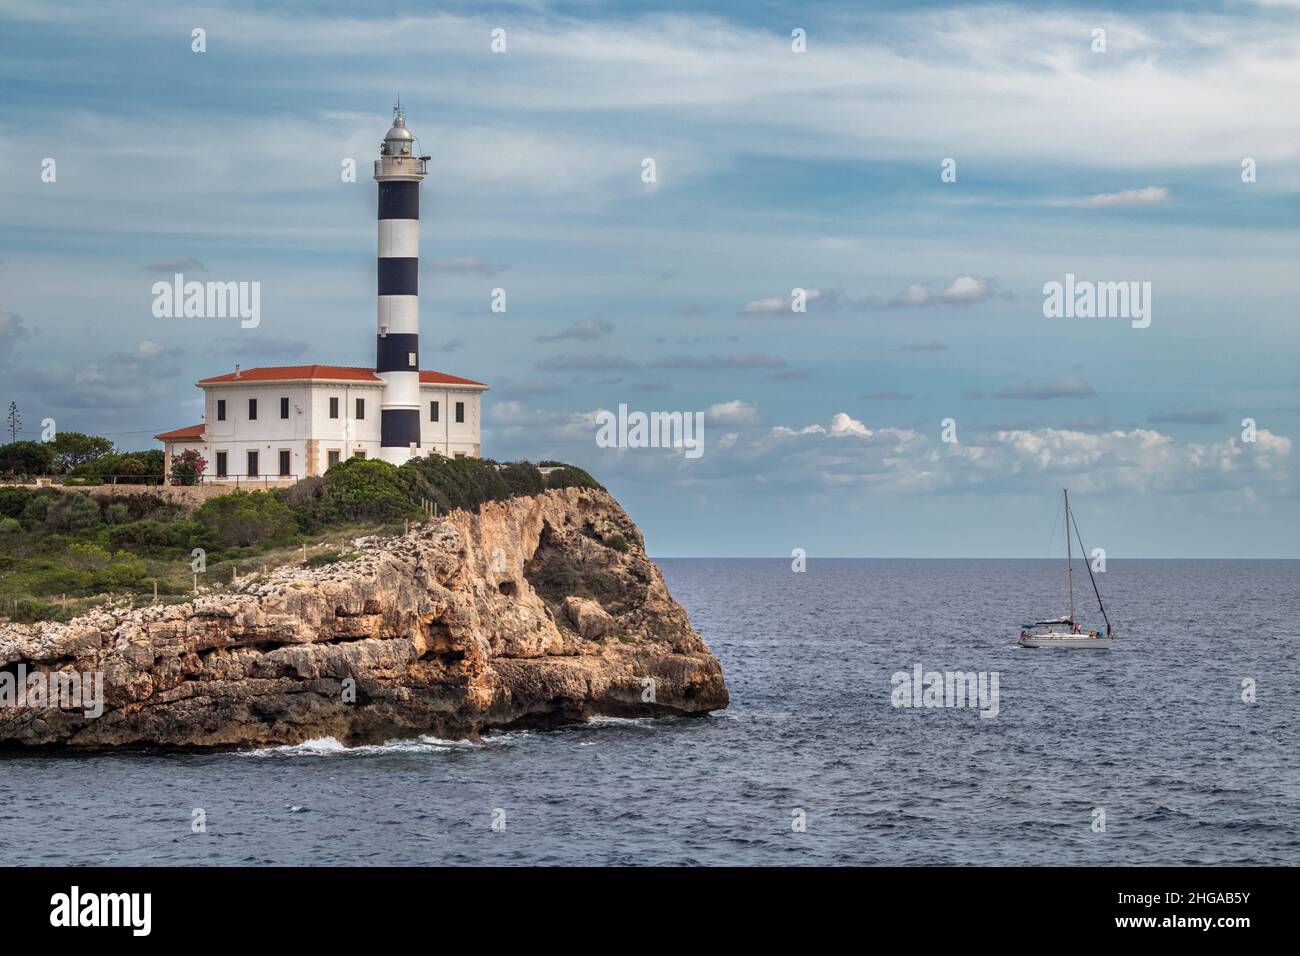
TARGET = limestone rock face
(518,616)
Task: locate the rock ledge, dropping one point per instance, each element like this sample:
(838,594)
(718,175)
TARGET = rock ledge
(521,615)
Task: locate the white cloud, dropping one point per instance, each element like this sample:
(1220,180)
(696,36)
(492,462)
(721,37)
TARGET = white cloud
(1146,196)
(849,454)
(1137,461)
(734,412)
(960,290)
(767,305)
(811,297)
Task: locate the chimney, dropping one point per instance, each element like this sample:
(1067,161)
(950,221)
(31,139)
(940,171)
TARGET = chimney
(236,371)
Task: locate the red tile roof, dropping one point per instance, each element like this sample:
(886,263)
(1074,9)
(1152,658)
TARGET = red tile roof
(442,378)
(189,431)
(344,373)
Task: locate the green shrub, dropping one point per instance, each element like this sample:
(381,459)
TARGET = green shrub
(61,580)
(29,611)
(618,543)
(146,505)
(306,499)
(10,526)
(235,554)
(459,482)
(567,476)
(371,490)
(123,571)
(13,500)
(523,478)
(243,519)
(148,536)
(142,536)
(189,535)
(74,512)
(35,510)
(301,491)
(117,513)
(364,489)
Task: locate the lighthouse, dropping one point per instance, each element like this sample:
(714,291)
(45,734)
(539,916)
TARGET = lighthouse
(397,355)
(277,424)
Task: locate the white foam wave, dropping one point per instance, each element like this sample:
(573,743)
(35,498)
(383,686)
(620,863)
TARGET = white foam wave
(601,721)
(425,743)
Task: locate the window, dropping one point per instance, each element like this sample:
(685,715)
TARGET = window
(221,409)
(332,458)
(252,409)
(284,463)
(460,412)
(221,464)
(358,454)
(361,408)
(252,464)
(410,359)
(433,411)
(334,408)
(284,407)
(459,454)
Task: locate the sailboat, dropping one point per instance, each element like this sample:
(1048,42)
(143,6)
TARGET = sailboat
(1064,632)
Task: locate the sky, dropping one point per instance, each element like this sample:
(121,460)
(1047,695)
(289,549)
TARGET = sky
(775,169)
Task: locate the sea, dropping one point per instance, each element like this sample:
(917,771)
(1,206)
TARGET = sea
(1179,746)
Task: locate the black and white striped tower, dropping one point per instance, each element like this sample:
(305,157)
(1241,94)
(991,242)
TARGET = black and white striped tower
(397,358)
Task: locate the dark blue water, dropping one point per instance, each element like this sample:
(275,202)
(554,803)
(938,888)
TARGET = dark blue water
(1154,733)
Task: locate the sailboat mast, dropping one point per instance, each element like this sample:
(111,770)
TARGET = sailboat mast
(1069,554)
(1088,567)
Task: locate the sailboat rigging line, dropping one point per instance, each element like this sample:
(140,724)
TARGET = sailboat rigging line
(1088,564)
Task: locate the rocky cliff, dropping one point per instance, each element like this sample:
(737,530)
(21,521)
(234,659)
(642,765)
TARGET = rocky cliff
(534,612)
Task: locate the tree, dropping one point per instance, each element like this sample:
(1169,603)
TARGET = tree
(137,467)
(188,467)
(26,458)
(74,448)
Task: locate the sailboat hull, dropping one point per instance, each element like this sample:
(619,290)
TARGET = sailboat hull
(1068,641)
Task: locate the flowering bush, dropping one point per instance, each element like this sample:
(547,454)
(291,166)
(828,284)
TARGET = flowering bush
(188,467)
